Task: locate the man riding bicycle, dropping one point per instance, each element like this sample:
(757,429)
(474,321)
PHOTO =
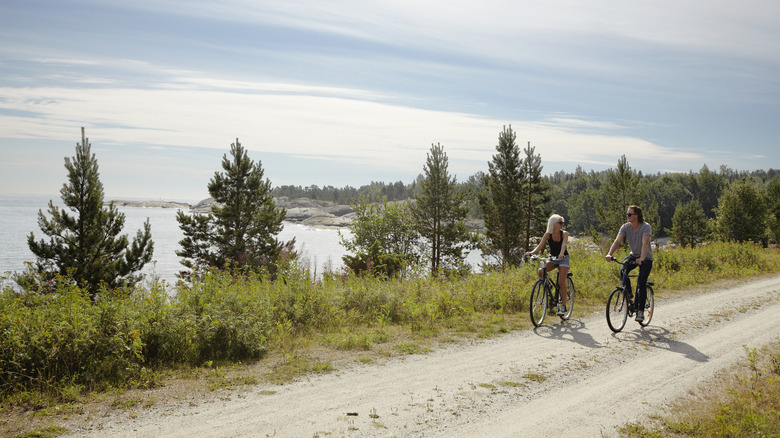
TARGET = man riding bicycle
(637,233)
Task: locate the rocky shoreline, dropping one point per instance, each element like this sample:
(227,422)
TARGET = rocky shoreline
(303,211)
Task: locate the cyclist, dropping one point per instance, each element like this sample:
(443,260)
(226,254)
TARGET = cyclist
(637,233)
(557,239)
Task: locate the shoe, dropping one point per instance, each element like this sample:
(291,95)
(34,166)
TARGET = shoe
(561,310)
(640,317)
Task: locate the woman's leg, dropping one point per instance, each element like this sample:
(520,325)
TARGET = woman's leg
(563,272)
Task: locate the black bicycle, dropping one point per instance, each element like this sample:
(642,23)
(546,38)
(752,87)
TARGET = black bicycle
(620,304)
(543,298)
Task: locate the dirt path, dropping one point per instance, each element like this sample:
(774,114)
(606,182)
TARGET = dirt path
(576,376)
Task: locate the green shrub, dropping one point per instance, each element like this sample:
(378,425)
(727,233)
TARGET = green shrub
(64,340)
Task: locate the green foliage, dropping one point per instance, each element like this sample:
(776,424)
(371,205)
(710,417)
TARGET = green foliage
(64,342)
(63,338)
(439,212)
(689,225)
(502,202)
(773,208)
(383,239)
(622,188)
(241,227)
(708,187)
(677,268)
(667,191)
(226,319)
(536,196)
(87,247)
(742,213)
(373,261)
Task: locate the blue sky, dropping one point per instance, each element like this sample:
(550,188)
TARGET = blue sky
(348,92)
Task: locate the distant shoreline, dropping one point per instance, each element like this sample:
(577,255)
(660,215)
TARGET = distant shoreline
(150,204)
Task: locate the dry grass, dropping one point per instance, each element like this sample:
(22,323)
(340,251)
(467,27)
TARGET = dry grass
(743,401)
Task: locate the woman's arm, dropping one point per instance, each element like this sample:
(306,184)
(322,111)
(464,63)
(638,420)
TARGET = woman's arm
(563,244)
(539,246)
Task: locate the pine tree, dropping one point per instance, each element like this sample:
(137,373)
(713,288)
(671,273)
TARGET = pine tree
(241,227)
(87,246)
(622,189)
(502,201)
(536,193)
(439,213)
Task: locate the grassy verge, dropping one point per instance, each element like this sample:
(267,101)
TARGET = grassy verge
(744,402)
(59,347)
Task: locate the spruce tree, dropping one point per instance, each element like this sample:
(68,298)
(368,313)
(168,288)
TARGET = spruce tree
(242,224)
(502,201)
(86,245)
(439,212)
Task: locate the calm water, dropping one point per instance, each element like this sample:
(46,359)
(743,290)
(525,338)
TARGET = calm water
(19,216)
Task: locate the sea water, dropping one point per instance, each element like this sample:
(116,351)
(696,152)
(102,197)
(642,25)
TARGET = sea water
(319,248)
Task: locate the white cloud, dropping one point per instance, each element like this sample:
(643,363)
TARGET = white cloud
(345,129)
(536,30)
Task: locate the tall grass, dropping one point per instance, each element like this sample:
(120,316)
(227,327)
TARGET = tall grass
(64,340)
(745,403)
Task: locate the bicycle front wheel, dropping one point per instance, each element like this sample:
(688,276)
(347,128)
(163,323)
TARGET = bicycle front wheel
(570,293)
(649,307)
(538,306)
(617,310)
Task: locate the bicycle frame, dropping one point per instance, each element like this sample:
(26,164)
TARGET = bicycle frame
(554,285)
(620,303)
(546,293)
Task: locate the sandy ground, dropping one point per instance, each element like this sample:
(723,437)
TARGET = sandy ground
(575,377)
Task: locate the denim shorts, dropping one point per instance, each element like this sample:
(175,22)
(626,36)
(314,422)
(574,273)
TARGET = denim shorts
(564,262)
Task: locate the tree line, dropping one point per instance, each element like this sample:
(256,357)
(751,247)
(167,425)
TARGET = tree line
(390,238)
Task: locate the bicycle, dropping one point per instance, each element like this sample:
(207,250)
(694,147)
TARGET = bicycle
(620,304)
(542,297)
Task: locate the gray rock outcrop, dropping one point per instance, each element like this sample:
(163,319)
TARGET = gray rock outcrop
(303,211)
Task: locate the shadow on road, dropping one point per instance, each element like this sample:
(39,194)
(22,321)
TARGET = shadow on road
(659,337)
(571,330)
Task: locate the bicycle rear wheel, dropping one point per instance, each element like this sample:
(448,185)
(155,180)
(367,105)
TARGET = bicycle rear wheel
(538,306)
(617,310)
(570,293)
(649,307)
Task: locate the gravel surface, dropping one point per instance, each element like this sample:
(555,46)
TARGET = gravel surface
(572,377)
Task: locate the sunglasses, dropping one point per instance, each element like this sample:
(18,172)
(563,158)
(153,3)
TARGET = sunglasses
(561,222)
(630,214)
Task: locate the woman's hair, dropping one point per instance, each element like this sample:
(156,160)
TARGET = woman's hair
(638,212)
(554,219)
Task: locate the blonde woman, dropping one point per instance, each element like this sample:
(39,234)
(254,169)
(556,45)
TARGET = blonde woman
(557,239)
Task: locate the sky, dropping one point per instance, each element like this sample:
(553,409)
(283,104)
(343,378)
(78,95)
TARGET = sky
(347,92)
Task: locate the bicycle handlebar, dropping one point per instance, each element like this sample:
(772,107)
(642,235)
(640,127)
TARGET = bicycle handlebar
(618,262)
(548,258)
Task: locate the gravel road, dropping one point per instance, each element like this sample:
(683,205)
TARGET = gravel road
(570,377)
